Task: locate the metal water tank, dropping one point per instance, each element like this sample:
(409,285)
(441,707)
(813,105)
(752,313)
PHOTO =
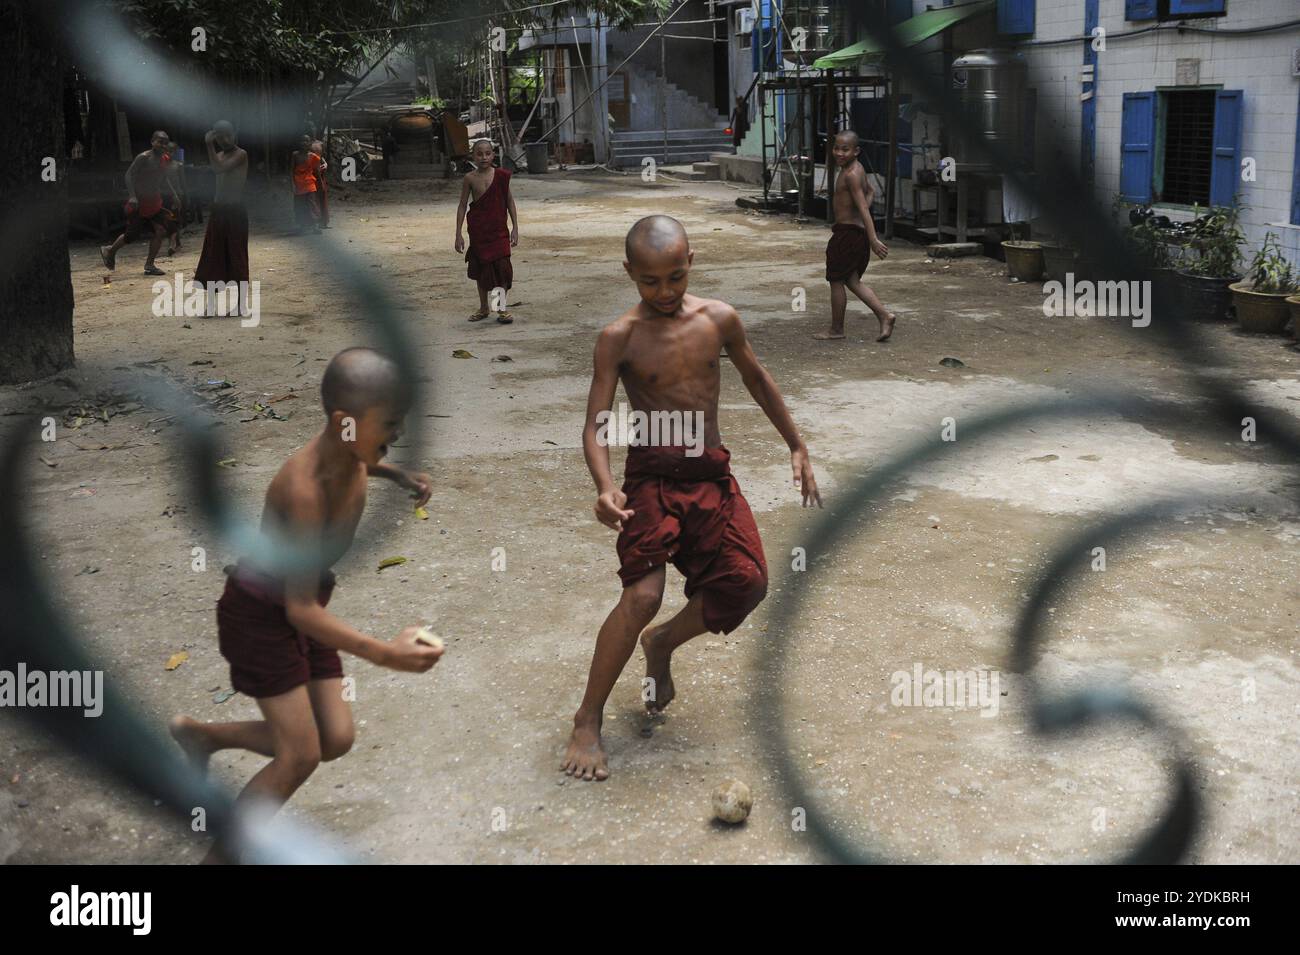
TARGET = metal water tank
(823,25)
(991,86)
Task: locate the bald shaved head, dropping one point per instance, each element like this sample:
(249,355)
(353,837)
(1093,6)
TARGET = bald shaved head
(358,379)
(655,235)
(848,137)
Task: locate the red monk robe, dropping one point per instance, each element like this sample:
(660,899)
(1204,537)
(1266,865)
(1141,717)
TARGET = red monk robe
(689,511)
(489,235)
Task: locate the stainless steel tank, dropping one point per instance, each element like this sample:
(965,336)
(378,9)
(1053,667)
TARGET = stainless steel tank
(991,86)
(825,25)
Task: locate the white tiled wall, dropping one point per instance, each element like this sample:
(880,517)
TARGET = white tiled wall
(1260,65)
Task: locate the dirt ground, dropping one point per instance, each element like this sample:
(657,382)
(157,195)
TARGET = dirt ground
(460,765)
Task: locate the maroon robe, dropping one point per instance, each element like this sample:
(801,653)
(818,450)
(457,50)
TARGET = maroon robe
(488,255)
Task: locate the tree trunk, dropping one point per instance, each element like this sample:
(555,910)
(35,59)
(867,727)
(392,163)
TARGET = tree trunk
(35,277)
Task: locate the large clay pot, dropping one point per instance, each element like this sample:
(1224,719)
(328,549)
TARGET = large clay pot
(1265,312)
(1205,299)
(1024,259)
(1293,302)
(1059,260)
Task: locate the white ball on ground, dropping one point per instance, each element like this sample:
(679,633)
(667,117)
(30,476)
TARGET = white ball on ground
(732,801)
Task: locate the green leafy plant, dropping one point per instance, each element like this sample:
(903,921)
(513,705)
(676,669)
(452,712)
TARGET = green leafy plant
(1271,272)
(1217,240)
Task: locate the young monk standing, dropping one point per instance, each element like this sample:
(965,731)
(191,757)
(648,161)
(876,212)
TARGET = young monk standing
(853,239)
(322,189)
(282,644)
(489,242)
(225,244)
(677,505)
(306,200)
(145,214)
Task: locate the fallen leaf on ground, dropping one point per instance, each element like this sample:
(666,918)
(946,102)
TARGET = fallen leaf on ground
(175,660)
(461,353)
(421,513)
(391,562)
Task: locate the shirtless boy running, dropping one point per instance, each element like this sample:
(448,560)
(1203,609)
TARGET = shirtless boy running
(145,214)
(678,504)
(853,239)
(282,644)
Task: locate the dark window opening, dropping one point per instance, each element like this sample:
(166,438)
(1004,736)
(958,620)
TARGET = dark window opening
(1170,10)
(1189,147)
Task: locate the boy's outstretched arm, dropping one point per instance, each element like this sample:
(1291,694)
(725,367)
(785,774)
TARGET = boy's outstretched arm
(460,214)
(514,218)
(862,193)
(768,397)
(610,501)
(419,484)
(303,516)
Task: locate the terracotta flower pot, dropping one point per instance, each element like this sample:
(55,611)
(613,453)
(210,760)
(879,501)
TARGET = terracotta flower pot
(1024,260)
(1265,312)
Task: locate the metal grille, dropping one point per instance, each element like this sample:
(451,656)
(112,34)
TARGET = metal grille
(125,743)
(1189,146)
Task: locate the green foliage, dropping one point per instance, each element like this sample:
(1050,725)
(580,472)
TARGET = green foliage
(1218,240)
(319,40)
(1270,271)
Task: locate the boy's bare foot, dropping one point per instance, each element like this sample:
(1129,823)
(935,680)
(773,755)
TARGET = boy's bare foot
(585,757)
(886,327)
(188,734)
(828,336)
(657,668)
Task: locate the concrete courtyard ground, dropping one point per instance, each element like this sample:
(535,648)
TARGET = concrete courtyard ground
(460,765)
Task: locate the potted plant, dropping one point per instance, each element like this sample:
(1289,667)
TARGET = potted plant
(1205,283)
(1024,259)
(1293,302)
(1059,258)
(1261,300)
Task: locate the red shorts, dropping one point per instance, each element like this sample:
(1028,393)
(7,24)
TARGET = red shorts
(267,656)
(690,512)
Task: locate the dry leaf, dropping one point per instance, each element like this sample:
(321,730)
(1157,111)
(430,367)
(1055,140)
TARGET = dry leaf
(461,353)
(391,562)
(175,660)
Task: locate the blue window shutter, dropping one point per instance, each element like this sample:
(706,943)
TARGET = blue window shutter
(1139,9)
(1195,6)
(1137,147)
(1015,16)
(1295,175)
(1226,163)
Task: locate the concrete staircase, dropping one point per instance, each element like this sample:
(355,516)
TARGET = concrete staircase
(685,146)
(685,110)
